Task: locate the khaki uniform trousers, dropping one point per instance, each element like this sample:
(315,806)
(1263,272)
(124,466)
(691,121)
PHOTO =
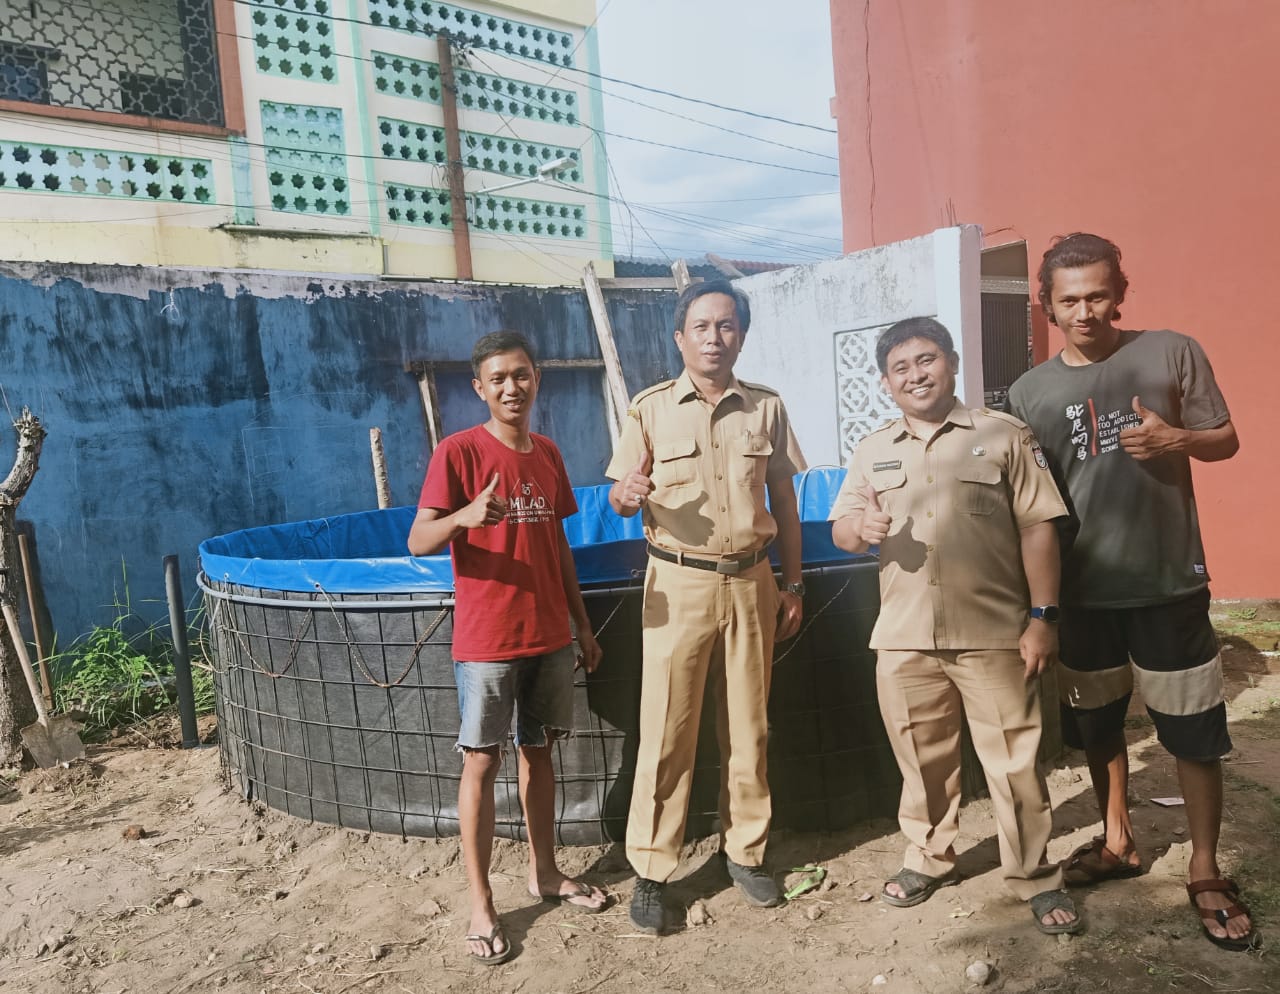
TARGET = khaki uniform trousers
(921,697)
(703,628)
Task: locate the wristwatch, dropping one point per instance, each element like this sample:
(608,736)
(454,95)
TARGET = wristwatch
(794,588)
(1048,613)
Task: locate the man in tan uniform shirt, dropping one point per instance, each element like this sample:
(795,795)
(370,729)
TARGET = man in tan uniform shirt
(697,455)
(961,504)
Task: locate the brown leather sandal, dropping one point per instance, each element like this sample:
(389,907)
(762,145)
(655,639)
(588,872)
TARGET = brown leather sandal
(1093,863)
(1222,915)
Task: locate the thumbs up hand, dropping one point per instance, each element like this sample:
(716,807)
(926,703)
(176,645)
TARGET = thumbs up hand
(1152,437)
(875,524)
(487,508)
(630,493)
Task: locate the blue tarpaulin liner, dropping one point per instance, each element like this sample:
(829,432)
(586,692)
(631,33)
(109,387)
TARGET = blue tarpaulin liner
(365,552)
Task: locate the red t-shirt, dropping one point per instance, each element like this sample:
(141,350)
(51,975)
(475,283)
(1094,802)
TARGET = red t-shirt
(510,596)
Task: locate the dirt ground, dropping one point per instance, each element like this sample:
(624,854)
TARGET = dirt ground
(221,896)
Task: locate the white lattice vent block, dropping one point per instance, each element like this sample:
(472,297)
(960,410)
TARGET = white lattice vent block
(862,404)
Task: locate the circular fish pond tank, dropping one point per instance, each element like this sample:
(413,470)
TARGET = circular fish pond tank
(336,700)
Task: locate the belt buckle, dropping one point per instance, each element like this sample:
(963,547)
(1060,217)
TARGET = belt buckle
(729,567)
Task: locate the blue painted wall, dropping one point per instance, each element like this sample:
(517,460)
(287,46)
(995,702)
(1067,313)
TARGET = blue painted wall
(250,402)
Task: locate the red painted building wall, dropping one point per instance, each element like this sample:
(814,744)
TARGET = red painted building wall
(1150,123)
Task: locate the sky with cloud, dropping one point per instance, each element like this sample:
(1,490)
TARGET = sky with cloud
(760,55)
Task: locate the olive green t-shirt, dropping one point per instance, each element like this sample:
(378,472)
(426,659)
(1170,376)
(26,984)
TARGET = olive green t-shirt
(1133,535)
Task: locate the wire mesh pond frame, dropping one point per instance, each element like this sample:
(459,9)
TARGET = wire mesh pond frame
(342,708)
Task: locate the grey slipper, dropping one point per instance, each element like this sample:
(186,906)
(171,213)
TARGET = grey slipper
(1053,900)
(918,887)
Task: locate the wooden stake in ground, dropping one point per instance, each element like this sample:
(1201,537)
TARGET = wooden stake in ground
(380,468)
(16,706)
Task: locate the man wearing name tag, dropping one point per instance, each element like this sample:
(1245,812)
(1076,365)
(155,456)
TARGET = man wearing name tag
(962,505)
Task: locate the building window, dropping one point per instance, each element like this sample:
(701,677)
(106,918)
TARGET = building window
(158,60)
(24,74)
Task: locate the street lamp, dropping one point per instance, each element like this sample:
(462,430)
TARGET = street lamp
(547,171)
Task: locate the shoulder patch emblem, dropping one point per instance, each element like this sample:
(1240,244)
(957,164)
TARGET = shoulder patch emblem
(887,464)
(1038,452)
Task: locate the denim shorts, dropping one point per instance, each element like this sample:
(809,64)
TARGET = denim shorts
(538,689)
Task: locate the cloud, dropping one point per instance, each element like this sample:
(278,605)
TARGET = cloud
(771,58)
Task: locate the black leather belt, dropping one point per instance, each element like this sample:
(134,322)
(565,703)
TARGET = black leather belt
(729,567)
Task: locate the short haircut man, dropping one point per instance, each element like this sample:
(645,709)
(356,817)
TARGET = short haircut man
(1121,414)
(961,506)
(516,591)
(697,455)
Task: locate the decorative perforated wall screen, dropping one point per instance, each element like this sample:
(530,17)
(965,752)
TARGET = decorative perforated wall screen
(429,207)
(471,27)
(862,406)
(415,141)
(417,79)
(155,59)
(104,173)
(306,158)
(294,38)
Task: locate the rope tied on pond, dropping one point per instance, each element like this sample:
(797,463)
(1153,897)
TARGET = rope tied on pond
(296,639)
(636,574)
(358,657)
(295,642)
(795,639)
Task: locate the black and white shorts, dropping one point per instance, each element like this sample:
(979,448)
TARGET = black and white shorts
(1169,651)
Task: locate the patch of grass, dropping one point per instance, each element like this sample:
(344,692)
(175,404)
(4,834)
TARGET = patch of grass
(122,672)
(1258,870)
(1243,613)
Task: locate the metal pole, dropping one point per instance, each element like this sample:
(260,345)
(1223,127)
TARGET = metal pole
(181,653)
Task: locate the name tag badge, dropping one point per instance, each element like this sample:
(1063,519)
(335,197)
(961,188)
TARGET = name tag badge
(880,467)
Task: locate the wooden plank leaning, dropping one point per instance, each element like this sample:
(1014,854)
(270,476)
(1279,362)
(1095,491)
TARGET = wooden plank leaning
(617,386)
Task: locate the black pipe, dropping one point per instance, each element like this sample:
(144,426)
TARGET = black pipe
(181,653)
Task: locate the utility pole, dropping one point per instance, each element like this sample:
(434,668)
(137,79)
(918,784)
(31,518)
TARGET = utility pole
(453,168)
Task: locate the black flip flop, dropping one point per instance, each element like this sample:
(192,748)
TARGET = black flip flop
(494,958)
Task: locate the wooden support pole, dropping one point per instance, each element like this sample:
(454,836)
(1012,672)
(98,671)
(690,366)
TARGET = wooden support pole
(680,270)
(608,348)
(34,603)
(380,468)
(430,407)
(453,152)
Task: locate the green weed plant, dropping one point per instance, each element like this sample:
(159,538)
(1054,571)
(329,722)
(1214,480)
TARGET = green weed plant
(122,672)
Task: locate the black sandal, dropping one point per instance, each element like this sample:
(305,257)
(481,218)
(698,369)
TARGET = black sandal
(918,887)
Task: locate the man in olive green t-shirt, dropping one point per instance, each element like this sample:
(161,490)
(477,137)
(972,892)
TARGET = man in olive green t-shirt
(1120,414)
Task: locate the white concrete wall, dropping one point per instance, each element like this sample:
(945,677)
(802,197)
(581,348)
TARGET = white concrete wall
(798,314)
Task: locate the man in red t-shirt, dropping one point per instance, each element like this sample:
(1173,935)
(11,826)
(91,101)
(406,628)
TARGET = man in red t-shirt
(496,495)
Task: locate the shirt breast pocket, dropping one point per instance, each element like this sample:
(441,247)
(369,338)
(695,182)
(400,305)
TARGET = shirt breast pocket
(979,489)
(675,463)
(751,460)
(888,485)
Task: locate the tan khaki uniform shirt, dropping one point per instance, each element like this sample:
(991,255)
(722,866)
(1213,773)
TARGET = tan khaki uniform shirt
(710,465)
(951,572)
